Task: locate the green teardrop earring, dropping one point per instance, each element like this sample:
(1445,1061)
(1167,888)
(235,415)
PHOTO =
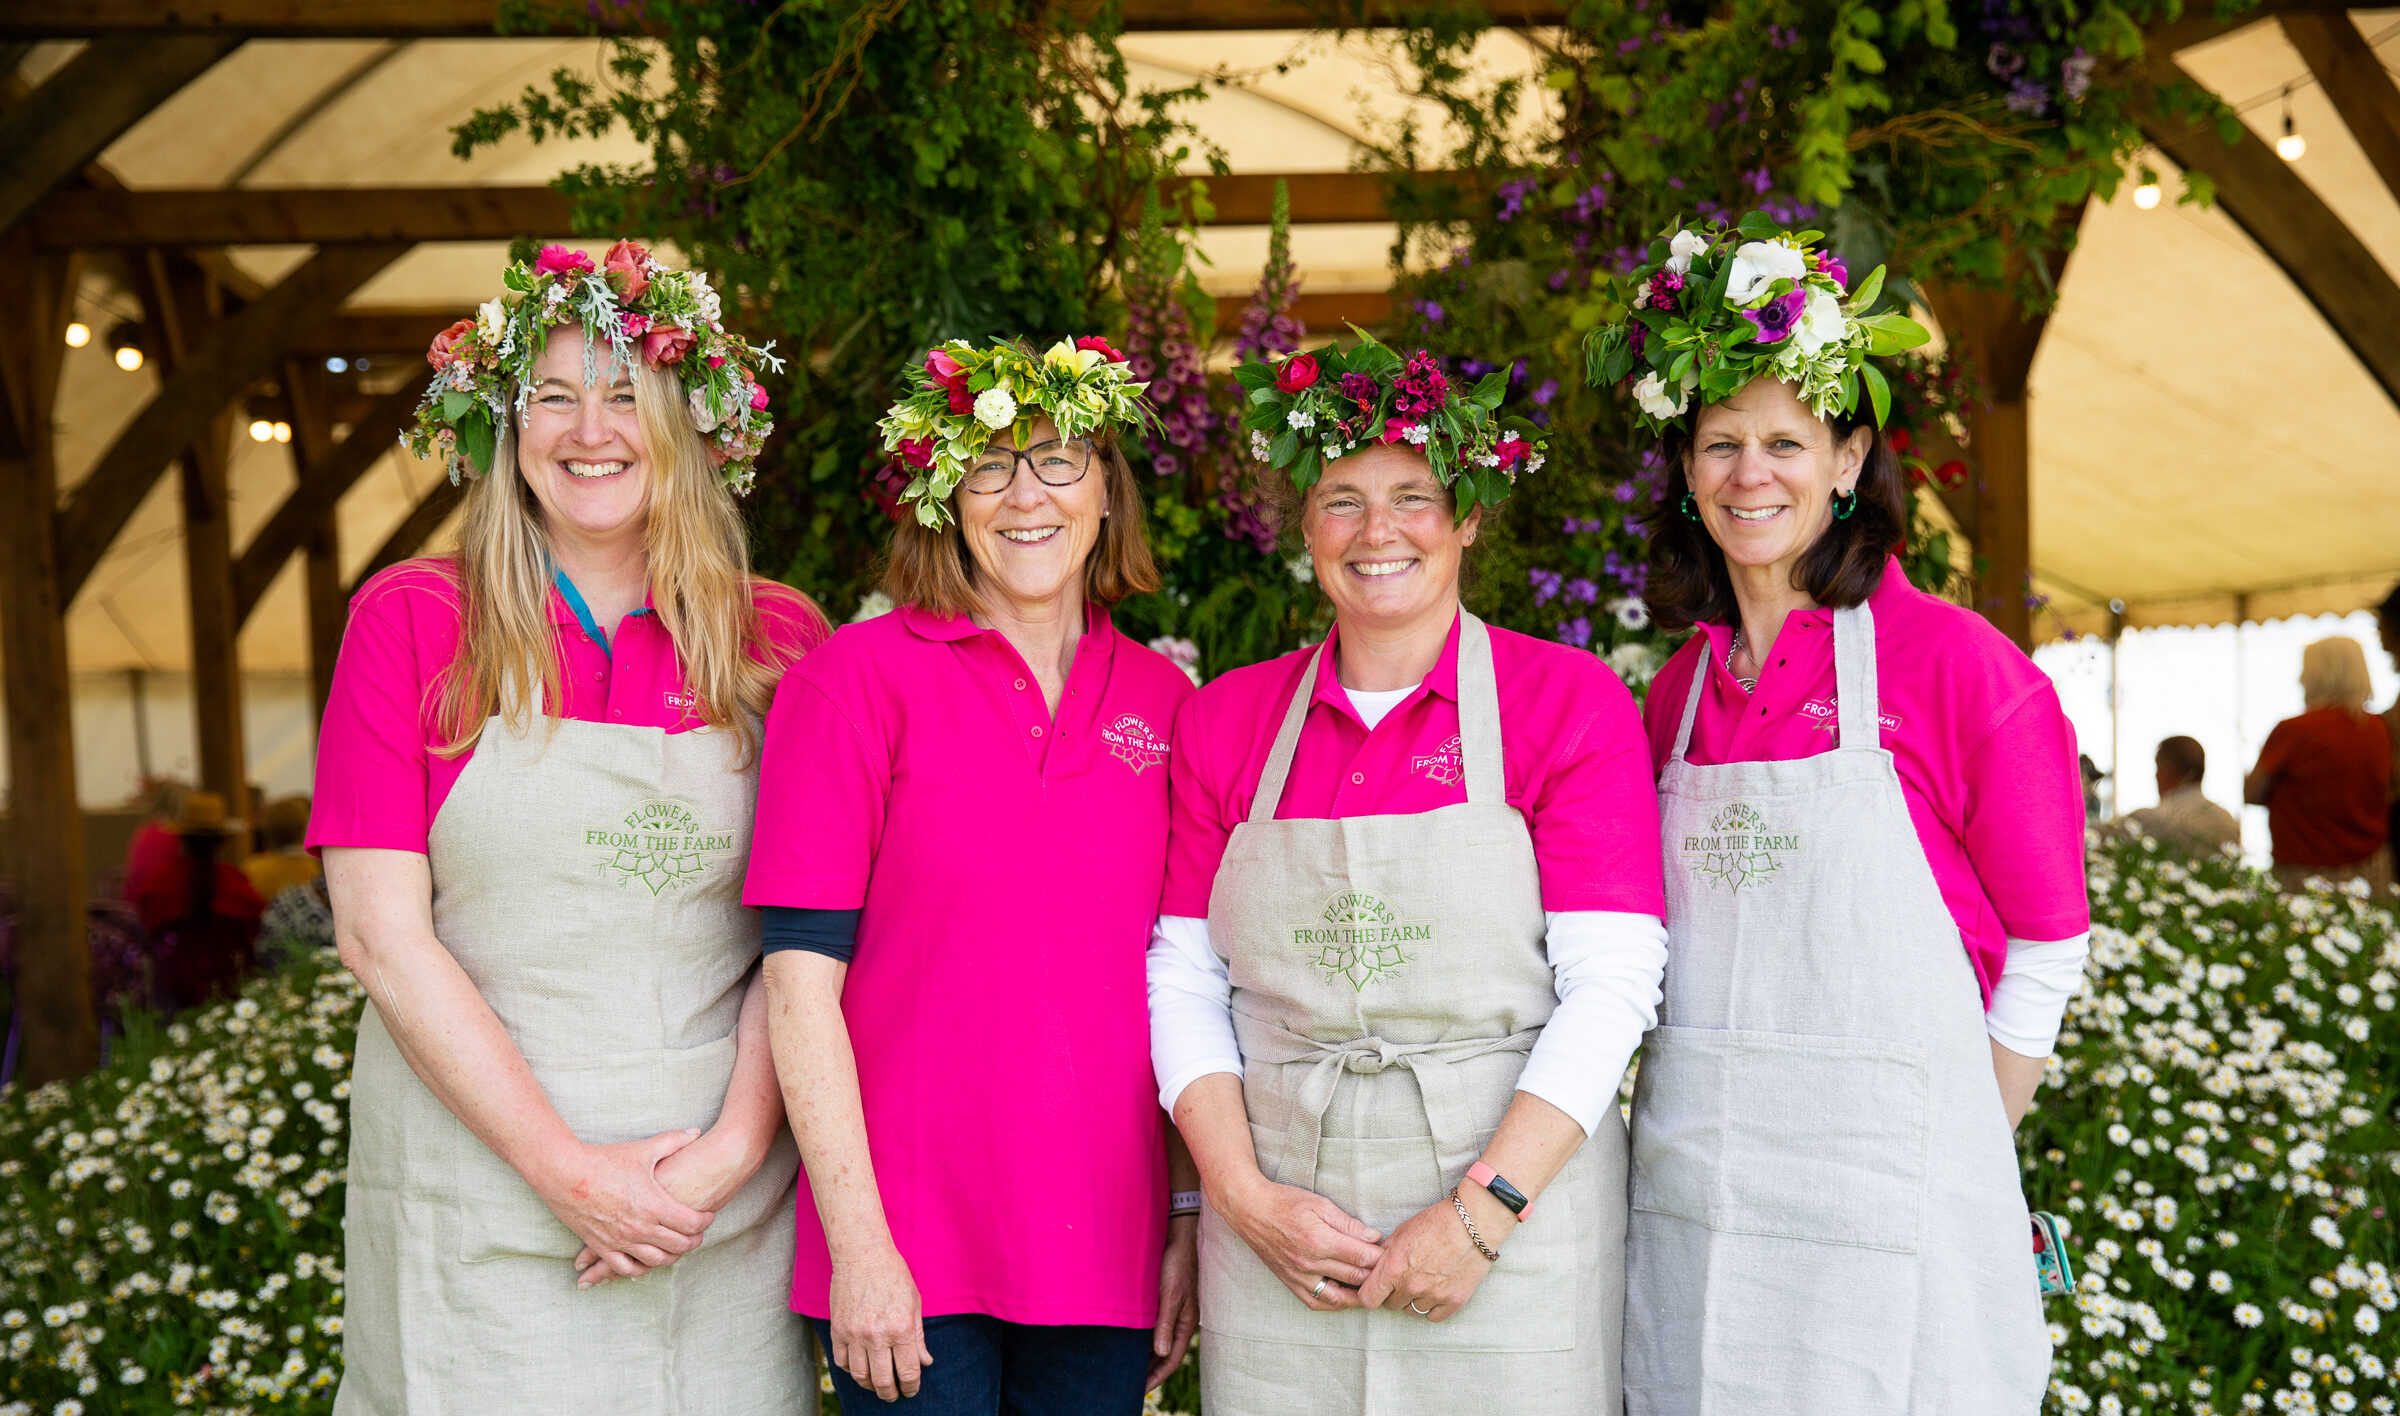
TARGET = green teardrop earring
(1845,504)
(1689,508)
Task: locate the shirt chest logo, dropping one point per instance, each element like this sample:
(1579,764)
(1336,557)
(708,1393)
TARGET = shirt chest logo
(1825,715)
(1359,937)
(1738,847)
(659,844)
(1135,743)
(1442,766)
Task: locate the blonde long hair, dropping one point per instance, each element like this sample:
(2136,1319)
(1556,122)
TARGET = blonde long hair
(2333,674)
(700,586)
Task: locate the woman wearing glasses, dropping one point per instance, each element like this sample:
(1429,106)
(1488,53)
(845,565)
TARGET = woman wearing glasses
(963,822)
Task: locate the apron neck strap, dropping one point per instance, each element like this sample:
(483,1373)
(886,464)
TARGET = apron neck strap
(1854,686)
(1478,724)
(1479,714)
(1691,700)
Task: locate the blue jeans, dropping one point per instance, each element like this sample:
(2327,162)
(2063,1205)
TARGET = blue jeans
(985,1367)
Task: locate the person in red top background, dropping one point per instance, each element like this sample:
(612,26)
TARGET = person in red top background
(200,910)
(2325,776)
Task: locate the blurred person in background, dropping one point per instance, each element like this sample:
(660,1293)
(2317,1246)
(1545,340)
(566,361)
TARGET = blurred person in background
(2325,776)
(200,910)
(279,863)
(2387,628)
(2183,817)
(154,841)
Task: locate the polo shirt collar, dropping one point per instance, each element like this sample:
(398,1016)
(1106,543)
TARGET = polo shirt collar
(1892,586)
(1099,632)
(567,606)
(1443,680)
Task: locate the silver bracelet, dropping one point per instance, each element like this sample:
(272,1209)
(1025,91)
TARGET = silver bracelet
(1469,1221)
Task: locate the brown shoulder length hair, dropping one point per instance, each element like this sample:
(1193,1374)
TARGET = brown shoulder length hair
(1688,581)
(934,571)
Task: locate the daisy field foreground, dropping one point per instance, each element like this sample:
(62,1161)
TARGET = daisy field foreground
(2217,1131)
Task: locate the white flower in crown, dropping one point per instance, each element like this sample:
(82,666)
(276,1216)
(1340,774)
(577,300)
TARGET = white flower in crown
(995,408)
(1651,393)
(1682,248)
(1300,418)
(1419,435)
(491,321)
(1821,323)
(1258,444)
(1758,265)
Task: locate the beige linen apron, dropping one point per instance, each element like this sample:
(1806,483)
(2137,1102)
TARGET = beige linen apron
(1826,1211)
(1389,976)
(589,882)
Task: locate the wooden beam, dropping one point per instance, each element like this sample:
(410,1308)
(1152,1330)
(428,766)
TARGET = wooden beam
(411,535)
(53,132)
(324,478)
(234,355)
(2333,269)
(2358,84)
(315,450)
(99,219)
(440,19)
(61,1037)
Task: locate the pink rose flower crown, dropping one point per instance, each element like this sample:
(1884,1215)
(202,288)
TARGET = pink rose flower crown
(631,305)
(960,396)
(1717,306)
(1307,411)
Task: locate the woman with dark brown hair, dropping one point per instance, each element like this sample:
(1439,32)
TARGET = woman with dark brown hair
(1873,836)
(963,825)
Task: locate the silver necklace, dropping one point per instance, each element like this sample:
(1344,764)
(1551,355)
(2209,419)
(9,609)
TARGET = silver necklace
(1749,685)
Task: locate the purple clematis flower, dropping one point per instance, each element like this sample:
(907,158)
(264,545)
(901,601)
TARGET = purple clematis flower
(1774,320)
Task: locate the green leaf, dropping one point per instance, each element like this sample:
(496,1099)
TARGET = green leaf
(1869,291)
(1878,391)
(1891,334)
(475,440)
(1281,449)
(455,404)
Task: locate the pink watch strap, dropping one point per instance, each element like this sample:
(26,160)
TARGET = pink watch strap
(1484,1175)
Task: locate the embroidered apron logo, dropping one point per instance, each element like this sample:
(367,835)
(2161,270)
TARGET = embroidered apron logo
(1824,715)
(1359,938)
(1738,849)
(1442,767)
(1134,743)
(658,843)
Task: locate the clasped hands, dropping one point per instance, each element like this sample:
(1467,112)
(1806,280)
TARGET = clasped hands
(1427,1267)
(641,1205)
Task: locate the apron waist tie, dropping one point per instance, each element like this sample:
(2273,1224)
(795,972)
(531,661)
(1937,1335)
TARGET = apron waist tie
(1433,1064)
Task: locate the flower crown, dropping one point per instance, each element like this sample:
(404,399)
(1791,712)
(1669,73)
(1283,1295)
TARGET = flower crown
(1719,306)
(629,302)
(961,395)
(1307,410)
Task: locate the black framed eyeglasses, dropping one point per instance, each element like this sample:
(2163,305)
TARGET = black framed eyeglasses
(1060,462)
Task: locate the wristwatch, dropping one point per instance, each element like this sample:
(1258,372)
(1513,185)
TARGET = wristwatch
(1507,1194)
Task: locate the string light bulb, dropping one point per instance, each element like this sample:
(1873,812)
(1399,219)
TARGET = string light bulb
(79,334)
(2146,196)
(261,430)
(2291,147)
(282,432)
(125,345)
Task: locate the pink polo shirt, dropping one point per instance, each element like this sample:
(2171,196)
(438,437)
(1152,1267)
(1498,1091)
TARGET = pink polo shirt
(1570,744)
(1005,862)
(379,782)
(1985,755)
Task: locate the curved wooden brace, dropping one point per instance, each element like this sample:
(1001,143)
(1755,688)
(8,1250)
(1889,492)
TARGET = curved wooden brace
(52,132)
(321,487)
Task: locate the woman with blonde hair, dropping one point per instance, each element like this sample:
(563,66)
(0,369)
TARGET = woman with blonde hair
(535,784)
(2324,777)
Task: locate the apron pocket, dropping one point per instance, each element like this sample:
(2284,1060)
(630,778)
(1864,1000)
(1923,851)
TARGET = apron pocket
(1818,1139)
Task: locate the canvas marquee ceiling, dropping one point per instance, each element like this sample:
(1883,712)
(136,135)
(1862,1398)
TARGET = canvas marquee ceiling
(2203,445)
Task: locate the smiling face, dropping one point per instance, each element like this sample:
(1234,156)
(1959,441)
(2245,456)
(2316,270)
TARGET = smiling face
(581,447)
(1381,534)
(1763,471)
(1030,540)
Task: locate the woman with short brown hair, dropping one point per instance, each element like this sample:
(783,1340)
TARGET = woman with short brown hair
(963,819)
(1875,906)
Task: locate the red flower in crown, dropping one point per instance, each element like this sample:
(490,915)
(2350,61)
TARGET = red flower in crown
(624,264)
(559,260)
(1106,350)
(1298,372)
(445,345)
(666,344)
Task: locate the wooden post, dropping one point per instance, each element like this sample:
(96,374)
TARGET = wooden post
(312,452)
(62,1036)
(182,304)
